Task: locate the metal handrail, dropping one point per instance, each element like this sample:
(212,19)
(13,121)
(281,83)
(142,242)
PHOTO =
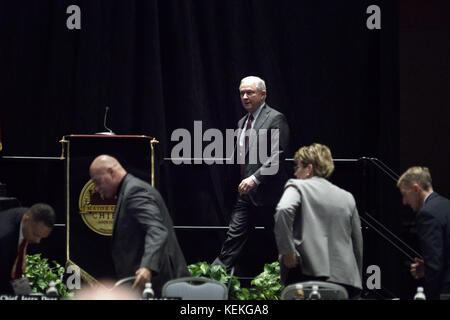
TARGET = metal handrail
(124,280)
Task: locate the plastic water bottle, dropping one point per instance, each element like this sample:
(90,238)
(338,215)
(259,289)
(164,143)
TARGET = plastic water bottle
(148,292)
(420,295)
(299,293)
(52,291)
(314,295)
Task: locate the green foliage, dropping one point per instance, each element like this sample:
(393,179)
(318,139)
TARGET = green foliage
(266,286)
(40,274)
(203,269)
(268,283)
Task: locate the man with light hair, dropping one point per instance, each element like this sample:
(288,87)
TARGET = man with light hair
(433,230)
(261,180)
(259,83)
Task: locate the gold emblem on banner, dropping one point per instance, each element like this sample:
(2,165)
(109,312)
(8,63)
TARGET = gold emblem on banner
(97,213)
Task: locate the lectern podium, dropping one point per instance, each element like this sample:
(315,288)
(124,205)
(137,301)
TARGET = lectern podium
(89,218)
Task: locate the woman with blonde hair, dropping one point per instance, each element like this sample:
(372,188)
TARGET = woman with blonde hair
(317,226)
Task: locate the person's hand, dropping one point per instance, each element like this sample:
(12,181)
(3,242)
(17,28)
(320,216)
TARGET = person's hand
(143,275)
(246,185)
(290,260)
(417,268)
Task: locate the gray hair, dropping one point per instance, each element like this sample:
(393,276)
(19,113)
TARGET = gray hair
(260,84)
(419,175)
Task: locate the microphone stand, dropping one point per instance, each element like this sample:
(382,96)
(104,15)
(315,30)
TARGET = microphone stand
(109,132)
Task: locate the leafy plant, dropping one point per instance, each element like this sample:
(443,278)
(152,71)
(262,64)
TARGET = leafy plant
(268,284)
(203,269)
(265,286)
(40,274)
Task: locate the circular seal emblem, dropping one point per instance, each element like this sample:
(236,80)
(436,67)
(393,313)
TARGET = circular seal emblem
(97,213)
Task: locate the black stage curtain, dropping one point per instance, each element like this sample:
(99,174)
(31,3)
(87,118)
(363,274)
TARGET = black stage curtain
(161,65)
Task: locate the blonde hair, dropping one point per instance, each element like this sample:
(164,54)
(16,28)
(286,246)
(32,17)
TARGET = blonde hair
(419,175)
(319,156)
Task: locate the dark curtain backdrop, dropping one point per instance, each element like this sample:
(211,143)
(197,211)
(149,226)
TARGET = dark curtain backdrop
(161,65)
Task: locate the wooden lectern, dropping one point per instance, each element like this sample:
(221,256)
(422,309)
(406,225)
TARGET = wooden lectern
(89,218)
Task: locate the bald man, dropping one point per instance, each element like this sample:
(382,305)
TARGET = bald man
(144,243)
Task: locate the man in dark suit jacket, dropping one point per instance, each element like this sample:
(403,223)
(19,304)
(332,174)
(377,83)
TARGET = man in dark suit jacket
(21,226)
(144,243)
(262,171)
(433,230)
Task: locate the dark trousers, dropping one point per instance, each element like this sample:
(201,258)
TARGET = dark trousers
(244,218)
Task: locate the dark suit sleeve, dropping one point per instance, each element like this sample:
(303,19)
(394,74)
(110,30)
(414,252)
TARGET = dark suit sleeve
(431,242)
(279,144)
(142,205)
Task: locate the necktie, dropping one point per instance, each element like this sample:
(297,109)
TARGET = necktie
(246,139)
(247,133)
(19,265)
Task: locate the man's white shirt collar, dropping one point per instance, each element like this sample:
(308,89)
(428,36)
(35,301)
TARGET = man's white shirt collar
(256,113)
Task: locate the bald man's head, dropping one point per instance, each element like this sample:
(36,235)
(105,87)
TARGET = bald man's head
(106,173)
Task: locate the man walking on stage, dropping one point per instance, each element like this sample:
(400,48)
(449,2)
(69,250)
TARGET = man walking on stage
(262,180)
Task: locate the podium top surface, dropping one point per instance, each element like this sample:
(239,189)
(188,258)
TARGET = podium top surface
(107,136)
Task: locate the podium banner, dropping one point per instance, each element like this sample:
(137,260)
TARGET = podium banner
(89,218)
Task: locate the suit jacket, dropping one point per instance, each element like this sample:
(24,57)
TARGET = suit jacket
(270,172)
(433,229)
(143,235)
(320,223)
(9,240)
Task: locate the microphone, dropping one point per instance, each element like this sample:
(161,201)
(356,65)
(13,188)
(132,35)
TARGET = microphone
(109,132)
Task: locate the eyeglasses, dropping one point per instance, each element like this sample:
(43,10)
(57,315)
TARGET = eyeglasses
(248,92)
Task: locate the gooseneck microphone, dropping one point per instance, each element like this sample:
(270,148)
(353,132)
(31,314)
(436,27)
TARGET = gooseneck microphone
(109,132)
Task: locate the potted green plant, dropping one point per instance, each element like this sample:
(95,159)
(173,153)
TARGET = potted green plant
(203,269)
(39,274)
(265,286)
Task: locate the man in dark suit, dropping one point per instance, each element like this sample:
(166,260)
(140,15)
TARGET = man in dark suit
(144,243)
(262,171)
(433,230)
(19,227)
